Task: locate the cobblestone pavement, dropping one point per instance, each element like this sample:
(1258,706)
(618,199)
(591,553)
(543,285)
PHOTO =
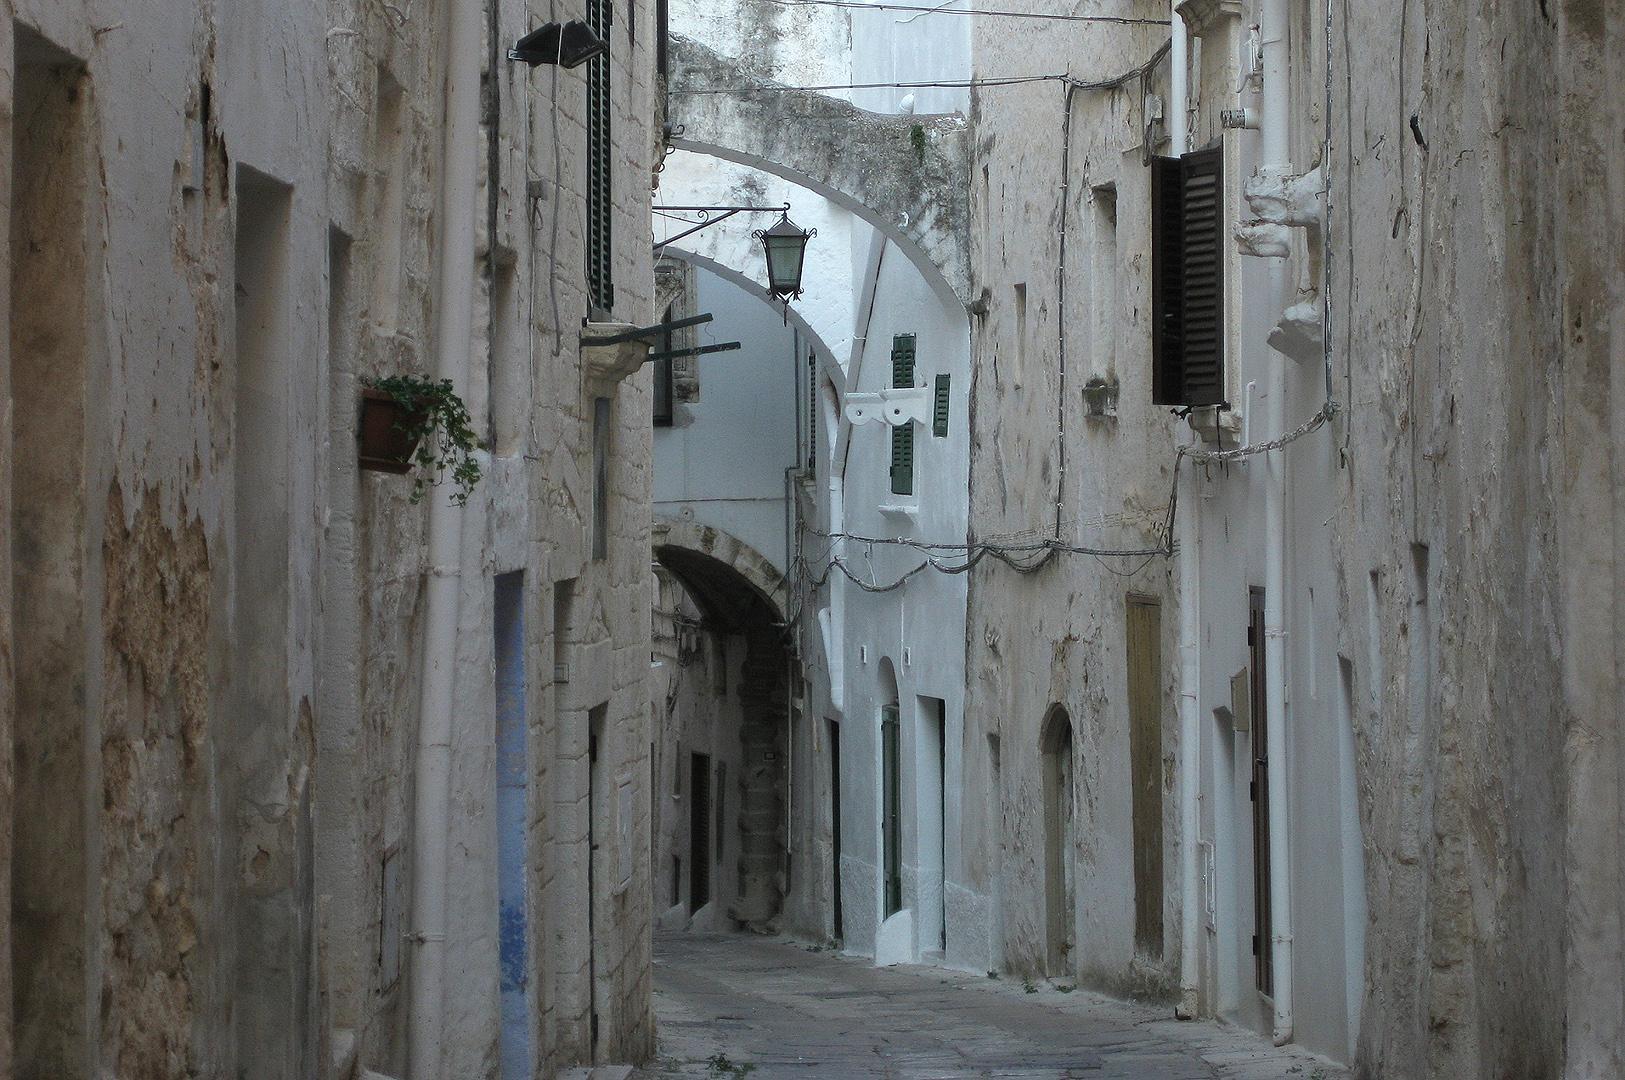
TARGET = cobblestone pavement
(737,1006)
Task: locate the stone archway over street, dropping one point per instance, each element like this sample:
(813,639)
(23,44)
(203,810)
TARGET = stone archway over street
(726,732)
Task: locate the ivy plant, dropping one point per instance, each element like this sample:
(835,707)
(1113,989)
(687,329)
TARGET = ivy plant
(439,421)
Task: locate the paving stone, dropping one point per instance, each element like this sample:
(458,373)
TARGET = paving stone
(790,1013)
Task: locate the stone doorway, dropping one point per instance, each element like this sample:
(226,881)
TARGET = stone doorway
(1060,919)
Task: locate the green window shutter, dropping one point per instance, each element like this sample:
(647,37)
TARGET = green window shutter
(939,409)
(902,438)
(600,193)
(902,360)
(902,459)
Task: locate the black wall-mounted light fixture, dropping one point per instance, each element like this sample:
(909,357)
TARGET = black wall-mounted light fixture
(568,46)
(785,246)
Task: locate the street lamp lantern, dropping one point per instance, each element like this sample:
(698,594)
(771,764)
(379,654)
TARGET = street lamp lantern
(785,245)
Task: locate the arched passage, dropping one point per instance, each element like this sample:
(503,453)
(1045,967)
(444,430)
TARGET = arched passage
(724,733)
(1059,909)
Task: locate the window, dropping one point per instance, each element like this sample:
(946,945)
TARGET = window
(891,825)
(1103,284)
(662,37)
(601,419)
(600,253)
(699,831)
(1187,279)
(1259,790)
(663,411)
(902,436)
(677,378)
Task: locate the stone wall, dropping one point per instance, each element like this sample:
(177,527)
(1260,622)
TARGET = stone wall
(1476,189)
(221,222)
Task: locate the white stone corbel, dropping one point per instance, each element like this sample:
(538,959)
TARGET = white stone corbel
(1279,202)
(1206,16)
(1300,333)
(1285,199)
(610,364)
(896,406)
(1263,240)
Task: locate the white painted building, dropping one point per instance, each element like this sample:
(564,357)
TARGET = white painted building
(873,737)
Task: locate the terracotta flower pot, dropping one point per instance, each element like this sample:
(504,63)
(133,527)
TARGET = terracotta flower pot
(384,443)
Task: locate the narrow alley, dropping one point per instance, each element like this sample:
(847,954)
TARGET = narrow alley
(736,1005)
(851,539)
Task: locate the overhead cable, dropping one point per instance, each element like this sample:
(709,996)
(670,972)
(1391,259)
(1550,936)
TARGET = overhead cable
(948,84)
(1118,19)
(1040,545)
(1027,558)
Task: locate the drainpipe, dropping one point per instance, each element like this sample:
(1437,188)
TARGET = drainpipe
(1188,537)
(1275,156)
(431,814)
(1178,83)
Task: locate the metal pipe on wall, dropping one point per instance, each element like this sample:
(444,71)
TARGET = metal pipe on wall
(432,778)
(1190,614)
(1275,156)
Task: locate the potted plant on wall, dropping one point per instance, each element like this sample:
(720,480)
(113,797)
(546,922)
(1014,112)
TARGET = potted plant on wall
(409,420)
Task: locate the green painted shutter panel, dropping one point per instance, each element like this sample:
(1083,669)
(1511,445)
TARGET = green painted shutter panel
(902,438)
(902,459)
(902,360)
(600,193)
(939,409)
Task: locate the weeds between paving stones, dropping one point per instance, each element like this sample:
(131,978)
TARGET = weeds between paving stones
(720,1066)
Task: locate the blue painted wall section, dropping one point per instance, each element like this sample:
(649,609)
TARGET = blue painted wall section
(511,814)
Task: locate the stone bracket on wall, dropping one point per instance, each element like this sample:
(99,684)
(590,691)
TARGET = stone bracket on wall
(607,365)
(907,175)
(1204,16)
(1280,201)
(895,406)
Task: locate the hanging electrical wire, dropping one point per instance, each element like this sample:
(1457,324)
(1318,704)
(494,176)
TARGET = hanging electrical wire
(945,10)
(988,547)
(1027,558)
(949,558)
(947,84)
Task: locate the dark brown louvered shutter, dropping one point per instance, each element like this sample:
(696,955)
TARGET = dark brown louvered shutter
(1187,268)
(1167,280)
(600,196)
